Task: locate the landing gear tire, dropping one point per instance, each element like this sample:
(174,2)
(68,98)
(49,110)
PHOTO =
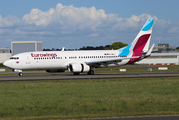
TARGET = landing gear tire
(20,74)
(76,73)
(91,72)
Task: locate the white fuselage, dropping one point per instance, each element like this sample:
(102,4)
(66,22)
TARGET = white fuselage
(83,61)
(61,59)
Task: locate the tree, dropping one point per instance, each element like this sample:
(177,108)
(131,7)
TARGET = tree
(47,50)
(117,45)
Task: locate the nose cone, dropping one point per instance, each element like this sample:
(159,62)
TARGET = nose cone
(6,63)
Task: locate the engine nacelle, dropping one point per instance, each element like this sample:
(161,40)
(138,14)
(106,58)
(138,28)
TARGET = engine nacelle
(78,67)
(55,70)
(15,70)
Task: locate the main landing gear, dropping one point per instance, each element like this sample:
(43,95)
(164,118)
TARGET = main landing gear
(76,73)
(20,74)
(91,72)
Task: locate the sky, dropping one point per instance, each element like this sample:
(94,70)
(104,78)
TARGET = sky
(77,23)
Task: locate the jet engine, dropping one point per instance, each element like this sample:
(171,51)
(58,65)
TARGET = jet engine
(78,67)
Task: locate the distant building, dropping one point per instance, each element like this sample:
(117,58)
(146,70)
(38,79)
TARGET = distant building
(164,55)
(25,46)
(161,59)
(4,50)
(5,54)
(165,48)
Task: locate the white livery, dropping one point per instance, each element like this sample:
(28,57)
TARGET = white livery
(84,61)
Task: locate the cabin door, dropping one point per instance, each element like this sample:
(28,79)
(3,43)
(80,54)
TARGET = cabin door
(28,61)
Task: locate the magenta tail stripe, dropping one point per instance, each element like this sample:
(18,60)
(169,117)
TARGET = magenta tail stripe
(139,46)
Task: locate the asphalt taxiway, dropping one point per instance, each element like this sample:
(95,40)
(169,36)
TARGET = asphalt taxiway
(176,117)
(84,76)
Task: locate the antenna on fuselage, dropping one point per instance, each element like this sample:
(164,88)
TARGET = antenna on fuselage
(63,49)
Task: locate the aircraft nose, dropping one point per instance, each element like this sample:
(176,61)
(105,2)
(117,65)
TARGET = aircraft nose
(6,63)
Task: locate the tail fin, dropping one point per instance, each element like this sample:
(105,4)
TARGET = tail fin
(140,43)
(142,40)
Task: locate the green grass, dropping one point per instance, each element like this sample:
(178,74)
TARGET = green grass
(1,65)
(76,99)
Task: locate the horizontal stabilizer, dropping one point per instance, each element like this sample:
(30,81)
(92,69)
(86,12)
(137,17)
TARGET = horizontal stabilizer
(149,51)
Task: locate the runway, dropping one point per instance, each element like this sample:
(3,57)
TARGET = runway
(142,118)
(85,76)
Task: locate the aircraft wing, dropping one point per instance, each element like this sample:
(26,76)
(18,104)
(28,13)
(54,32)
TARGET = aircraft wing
(106,62)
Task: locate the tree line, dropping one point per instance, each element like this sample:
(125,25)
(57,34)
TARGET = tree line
(114,46)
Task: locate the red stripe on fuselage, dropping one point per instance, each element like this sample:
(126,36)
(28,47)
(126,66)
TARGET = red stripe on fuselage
(139,46)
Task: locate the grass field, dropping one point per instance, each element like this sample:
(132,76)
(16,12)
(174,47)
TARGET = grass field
(76,99)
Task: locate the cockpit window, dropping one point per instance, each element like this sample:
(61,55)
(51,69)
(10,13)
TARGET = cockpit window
(15,58)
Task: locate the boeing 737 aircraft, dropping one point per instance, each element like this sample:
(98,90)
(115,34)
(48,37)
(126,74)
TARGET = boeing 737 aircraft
(84,61)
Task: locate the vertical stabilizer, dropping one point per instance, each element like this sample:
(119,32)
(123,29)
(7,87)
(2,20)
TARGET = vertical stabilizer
(142,40)
(140,43)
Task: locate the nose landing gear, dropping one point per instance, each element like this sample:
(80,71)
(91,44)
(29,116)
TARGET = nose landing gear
(20,74)
(91,72)
(19,71)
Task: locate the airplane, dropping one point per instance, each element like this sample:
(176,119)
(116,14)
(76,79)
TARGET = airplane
(84,60)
